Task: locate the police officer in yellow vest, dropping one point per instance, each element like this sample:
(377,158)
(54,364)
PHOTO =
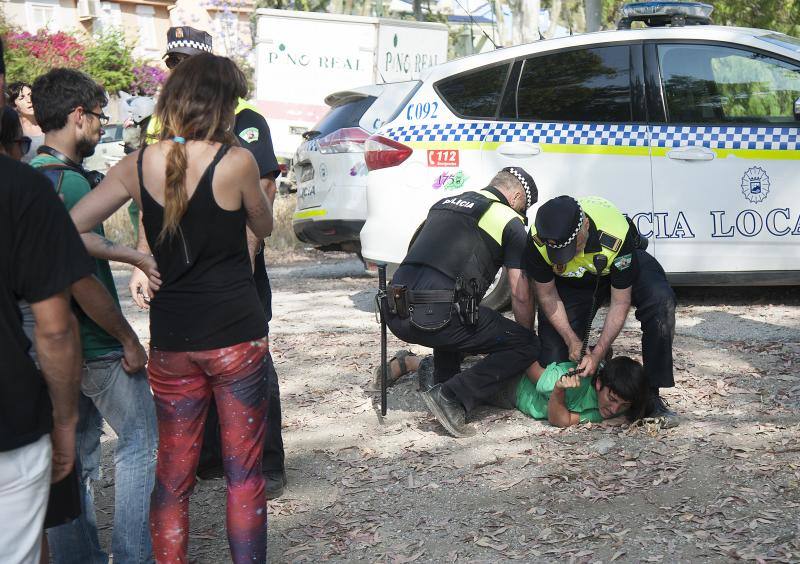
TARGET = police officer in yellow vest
(567,234)
(434,297)
(254,135)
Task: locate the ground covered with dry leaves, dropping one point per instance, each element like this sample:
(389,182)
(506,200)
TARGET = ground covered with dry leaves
(723,486)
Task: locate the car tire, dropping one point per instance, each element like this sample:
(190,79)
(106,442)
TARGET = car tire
(498,296)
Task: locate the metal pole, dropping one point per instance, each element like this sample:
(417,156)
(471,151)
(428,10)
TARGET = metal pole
(382,297)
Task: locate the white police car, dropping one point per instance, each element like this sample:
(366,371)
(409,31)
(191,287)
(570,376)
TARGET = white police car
(692,130)
(329,169)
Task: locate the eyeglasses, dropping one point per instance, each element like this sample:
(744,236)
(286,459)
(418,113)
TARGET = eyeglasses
(174,60)
(103,118)
(24,143)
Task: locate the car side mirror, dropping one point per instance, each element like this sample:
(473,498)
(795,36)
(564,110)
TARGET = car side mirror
(797,109)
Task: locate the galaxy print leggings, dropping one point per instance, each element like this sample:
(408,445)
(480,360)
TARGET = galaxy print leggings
(183,384)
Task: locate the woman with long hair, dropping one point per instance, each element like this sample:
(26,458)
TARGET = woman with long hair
(19,97)
(197,191)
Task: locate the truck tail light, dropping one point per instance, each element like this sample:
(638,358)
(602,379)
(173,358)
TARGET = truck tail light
(346,140)
(380,152)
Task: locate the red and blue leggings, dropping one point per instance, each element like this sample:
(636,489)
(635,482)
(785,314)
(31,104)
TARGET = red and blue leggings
(183,384)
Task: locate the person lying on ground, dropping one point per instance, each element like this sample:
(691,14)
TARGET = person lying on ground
(618,388)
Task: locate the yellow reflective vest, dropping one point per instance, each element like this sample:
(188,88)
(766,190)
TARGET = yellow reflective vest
(612,228)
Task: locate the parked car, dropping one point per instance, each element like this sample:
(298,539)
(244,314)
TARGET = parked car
(329,170)
(109,151)
(692,131)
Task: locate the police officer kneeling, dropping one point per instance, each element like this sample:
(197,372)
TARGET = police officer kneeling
(567,234)
(434,298)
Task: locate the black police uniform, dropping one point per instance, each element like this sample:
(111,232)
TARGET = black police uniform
(455,257)
(652,297)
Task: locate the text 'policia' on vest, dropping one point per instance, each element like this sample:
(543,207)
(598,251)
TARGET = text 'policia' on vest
(450,243)
(612,228)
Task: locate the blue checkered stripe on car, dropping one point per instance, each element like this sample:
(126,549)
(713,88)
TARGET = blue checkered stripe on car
(771,138)
(503,132)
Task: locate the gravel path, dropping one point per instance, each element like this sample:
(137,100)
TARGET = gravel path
(724,485)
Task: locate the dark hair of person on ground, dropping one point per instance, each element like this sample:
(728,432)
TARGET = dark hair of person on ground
(196,103)
(625,378)
(59,92)
(14,90)
(10,129)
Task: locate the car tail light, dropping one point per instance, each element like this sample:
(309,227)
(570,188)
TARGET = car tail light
(347,140)
(380,152)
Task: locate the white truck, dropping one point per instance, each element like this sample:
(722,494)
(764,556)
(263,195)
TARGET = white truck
(301,57)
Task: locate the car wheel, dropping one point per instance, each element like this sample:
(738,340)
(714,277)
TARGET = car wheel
(498,296)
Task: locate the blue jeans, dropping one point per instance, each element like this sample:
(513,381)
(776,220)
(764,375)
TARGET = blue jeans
(125,401)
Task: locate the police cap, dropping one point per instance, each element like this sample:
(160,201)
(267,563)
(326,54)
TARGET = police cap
(188,41)
(558,222)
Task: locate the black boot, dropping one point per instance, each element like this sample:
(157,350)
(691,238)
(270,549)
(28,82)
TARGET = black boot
(658,408)
(274,482)
(450,413)
(425,379)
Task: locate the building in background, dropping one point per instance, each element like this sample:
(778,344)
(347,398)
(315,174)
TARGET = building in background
(144,22)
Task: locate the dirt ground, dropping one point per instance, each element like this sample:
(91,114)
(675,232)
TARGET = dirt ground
(723,486)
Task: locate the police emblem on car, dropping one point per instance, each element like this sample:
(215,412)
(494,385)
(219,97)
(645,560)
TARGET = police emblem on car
(755,184)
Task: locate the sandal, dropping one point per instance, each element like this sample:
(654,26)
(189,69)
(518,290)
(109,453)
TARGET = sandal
(400,357)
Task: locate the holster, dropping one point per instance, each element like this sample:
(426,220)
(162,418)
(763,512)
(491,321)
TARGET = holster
(467,301)
(397,300)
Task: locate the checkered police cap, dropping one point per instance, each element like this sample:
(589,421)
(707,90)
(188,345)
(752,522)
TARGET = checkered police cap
(526,180)
(188,41)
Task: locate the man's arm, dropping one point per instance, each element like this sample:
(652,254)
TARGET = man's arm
(556,313)
(96,301)
(521,297)
(557,412)
(59,350)
(139,284)
(615,320)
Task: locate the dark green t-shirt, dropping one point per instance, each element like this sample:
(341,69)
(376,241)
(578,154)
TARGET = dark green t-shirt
(532,398)
(96,342)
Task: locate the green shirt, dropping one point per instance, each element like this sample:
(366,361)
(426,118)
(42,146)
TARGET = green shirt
(96,342)
(532,398)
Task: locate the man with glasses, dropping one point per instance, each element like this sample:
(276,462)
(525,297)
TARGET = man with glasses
(68,107)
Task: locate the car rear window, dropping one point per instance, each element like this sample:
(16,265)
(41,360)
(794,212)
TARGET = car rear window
(474,94)
(587,85)
(345,115)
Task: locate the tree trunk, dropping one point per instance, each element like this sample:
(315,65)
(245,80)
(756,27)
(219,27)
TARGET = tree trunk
(593,15)
(555,16)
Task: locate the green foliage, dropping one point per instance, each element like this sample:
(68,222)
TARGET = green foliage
(109,61)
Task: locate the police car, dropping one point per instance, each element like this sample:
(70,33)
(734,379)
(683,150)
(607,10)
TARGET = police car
(329,169)
(691,130)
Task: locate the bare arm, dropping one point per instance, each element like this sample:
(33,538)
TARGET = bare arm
(556,314)
(59,350)
(615,320)
(98,205)
(557,412)
(254,198)
(521,297)
(98,304)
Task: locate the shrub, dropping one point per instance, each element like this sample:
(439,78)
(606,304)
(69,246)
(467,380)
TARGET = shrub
(108,60)
(146,80)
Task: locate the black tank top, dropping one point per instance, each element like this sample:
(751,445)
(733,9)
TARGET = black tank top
(208,299)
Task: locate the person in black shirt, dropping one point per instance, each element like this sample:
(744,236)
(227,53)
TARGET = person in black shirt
(567,235)
(41,256)
(434,297)
(252,133)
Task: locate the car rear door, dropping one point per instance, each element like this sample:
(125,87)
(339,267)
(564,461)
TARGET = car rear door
(574,119)
(725,159)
